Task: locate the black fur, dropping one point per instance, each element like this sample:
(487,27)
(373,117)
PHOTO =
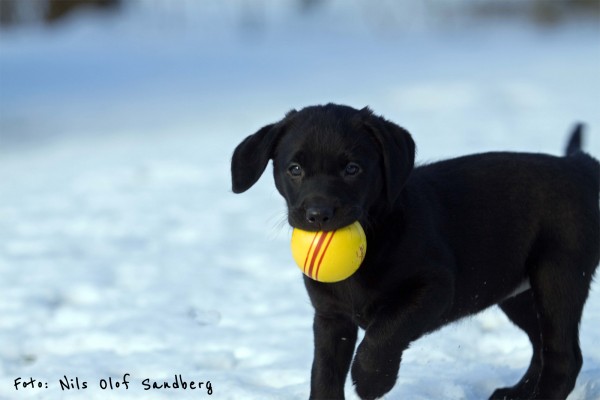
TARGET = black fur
(445,240)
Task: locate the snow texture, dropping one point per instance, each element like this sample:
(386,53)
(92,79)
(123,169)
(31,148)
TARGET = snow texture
(123,249)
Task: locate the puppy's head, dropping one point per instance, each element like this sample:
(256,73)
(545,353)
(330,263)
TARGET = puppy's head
(333,164)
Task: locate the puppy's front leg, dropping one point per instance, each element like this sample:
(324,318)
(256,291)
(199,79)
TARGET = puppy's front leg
(335,337)
(394,326)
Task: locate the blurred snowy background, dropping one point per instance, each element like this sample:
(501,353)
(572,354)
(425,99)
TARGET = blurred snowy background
(122,248)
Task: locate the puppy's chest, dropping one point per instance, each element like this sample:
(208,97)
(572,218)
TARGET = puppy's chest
(356,302)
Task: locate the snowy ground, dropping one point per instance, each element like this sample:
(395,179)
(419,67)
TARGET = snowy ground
(122,248)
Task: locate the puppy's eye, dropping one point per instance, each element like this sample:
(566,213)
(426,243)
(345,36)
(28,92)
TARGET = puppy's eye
(295,170)
(352,169)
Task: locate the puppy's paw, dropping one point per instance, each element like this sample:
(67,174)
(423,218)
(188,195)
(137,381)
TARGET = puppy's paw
(373,376)
(513,393)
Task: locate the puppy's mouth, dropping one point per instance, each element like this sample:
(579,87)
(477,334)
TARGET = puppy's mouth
(319,218)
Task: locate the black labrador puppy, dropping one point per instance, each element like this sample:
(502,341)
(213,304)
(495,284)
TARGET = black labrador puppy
(445,240)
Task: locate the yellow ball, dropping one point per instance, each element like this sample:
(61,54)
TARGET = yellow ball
(329,256)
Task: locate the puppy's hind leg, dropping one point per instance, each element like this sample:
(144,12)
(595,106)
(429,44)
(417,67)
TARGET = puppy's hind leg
(521,310)
(560,284)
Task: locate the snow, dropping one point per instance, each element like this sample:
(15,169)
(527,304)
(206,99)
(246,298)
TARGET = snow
(122,248)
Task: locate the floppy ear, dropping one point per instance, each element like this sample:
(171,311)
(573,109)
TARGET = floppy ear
(397,150)
(250,158)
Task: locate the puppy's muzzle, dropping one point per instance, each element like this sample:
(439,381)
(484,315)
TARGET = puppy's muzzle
(319,215)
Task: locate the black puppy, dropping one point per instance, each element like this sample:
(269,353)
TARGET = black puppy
(445,240)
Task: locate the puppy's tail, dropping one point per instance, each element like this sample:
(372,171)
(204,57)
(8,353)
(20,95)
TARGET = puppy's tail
(575,141)
(588,165)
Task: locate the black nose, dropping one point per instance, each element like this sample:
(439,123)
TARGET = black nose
(319,215)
